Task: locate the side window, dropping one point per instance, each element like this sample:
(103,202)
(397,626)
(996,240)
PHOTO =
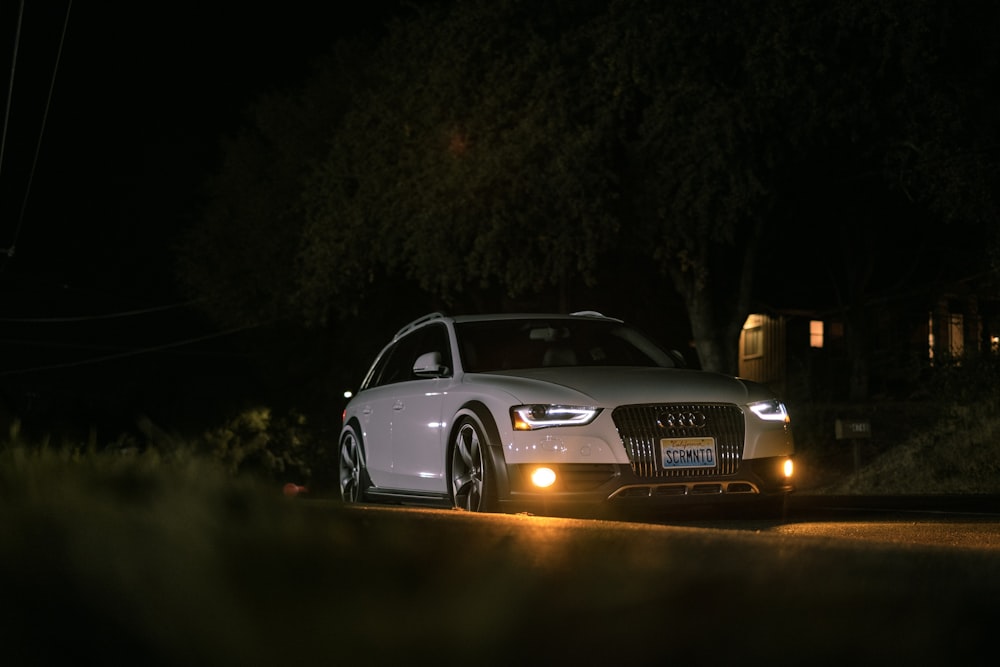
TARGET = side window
(377,374)
(437,341)
(398,361)
(399,367)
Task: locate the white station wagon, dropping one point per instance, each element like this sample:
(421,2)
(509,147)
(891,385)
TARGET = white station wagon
(546,413)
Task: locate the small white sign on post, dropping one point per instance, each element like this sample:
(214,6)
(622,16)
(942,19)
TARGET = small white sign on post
(854,430)
(851,429)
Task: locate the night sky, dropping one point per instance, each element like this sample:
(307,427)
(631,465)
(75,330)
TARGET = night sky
(142,95)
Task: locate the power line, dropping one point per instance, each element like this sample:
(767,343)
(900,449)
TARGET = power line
(129,353)
(10,85)
(9,251)
(89,318)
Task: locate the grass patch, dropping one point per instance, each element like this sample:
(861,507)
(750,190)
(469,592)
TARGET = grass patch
(945,444)
(118,555)
(928,450)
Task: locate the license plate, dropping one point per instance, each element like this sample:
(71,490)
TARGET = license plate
(687,453)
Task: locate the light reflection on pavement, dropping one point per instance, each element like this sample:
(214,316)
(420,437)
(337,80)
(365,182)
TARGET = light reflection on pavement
(956,534)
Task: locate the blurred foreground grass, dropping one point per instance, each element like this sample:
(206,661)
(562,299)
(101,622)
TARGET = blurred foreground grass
(114,559)
(119,559)
(125,558)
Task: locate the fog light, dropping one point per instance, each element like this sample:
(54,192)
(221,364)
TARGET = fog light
(788,468)
(543,477)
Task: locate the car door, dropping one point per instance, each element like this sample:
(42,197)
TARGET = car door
(418,425)
(375,415)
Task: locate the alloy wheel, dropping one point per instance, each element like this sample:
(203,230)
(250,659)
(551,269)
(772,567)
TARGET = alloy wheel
(351,468)
(468,468)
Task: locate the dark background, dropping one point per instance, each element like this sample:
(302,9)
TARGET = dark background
(141,98)
(91,319)
(114,116)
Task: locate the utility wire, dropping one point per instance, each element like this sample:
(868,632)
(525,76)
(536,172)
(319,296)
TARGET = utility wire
(90,318)
(10,85)
(53,344)
(130,353)
(45,115)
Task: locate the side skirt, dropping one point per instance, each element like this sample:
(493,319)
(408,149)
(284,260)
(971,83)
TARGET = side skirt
(404,497)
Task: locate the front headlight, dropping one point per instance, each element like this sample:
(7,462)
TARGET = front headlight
(770,411)
(531,417)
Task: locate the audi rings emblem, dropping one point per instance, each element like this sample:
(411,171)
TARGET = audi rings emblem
(681,420)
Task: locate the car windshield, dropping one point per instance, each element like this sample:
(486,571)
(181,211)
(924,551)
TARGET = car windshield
(497,345)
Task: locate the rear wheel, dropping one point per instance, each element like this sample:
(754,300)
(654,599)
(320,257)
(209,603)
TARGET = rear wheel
(352,468)
(472,480)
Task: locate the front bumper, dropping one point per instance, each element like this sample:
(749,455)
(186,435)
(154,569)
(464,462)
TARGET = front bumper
(616,485)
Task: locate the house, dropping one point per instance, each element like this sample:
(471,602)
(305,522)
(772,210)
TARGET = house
(815,354)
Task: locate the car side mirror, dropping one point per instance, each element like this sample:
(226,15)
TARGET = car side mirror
(428,365)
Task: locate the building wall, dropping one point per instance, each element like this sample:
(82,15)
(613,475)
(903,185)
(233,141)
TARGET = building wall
(762,351)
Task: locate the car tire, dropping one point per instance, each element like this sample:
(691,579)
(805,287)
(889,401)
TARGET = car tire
(351,476)
(472,482)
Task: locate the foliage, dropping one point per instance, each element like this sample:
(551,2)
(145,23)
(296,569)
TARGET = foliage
(257,442)
(969,380)
(472,162)
(958,454)
(700,142)
(271,446)
(241,258)
(756,124)
(946,441)
(516,150)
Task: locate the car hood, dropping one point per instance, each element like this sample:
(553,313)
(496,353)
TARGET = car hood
(606,386)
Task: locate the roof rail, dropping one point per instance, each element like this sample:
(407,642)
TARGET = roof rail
(417,322)
(594,313)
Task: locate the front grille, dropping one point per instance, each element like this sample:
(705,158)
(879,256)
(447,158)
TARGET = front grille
(641,428)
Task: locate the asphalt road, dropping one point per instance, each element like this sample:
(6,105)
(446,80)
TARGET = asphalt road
(192,575)
(957,521)
(836,581)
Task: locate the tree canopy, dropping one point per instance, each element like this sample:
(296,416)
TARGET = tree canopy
(475,160)
(517,149)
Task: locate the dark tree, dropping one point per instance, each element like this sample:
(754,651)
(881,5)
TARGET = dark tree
(517,149)
(474,165)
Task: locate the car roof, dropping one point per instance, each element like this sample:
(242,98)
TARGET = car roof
(488,317)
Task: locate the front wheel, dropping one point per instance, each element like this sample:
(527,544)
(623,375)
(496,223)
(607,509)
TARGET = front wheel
(472,480)
(351,468)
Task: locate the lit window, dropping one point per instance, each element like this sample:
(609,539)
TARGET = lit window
(953,332)
(956,335)
(816,333)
